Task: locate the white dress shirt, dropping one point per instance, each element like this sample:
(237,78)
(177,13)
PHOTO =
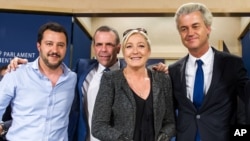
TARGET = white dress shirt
(90,89)
(191,66)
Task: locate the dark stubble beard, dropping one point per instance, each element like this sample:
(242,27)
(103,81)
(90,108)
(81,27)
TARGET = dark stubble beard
(48,64)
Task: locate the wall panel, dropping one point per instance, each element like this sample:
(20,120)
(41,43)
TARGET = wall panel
(18,34)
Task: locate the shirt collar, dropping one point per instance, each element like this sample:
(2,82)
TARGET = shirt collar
(205,57)
(35,66)
(115,66)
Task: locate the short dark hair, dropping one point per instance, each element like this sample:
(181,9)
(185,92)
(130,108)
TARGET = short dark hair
(4,67)
(51,26)
(105,28)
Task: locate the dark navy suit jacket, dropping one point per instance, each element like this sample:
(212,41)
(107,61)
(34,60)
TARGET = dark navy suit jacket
(218,110)
(247,92)
(78,125)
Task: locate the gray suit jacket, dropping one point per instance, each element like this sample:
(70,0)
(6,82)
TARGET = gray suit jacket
(115,107)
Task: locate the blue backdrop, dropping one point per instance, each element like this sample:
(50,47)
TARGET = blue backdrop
(245,41)
(81,43)
(18,36)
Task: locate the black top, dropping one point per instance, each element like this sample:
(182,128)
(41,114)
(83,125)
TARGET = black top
(6,117)
(144,124)
(7,114)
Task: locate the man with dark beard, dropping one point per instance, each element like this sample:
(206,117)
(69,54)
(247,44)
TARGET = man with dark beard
(106,46)
(41,92)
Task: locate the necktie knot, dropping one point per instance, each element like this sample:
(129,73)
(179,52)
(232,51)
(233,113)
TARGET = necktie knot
(199,62)
(106,69)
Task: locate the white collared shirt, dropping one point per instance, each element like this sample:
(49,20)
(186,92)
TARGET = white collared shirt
(191,66)
(94,79)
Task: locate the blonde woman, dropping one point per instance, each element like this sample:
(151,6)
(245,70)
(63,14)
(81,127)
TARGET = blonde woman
(134,103)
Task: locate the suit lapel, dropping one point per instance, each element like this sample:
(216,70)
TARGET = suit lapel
(217,73)
(84,74)
(86,68)
(179,82)
(156,92)
(216,76)
(125,87)
(182,68)
(183,76)
(183,82)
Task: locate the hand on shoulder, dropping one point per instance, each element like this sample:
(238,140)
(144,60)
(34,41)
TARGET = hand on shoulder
(13,65)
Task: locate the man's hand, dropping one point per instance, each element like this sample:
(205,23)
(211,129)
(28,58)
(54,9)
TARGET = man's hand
(160,67)
(15,62)
(163,137)
(1,129)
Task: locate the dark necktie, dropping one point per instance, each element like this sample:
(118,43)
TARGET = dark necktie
(198,90)
(198,85)
(106,69)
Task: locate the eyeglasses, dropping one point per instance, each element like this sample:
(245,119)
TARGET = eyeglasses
(139,29)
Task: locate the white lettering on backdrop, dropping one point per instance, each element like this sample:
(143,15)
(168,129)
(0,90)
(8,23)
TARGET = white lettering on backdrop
(6,56)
